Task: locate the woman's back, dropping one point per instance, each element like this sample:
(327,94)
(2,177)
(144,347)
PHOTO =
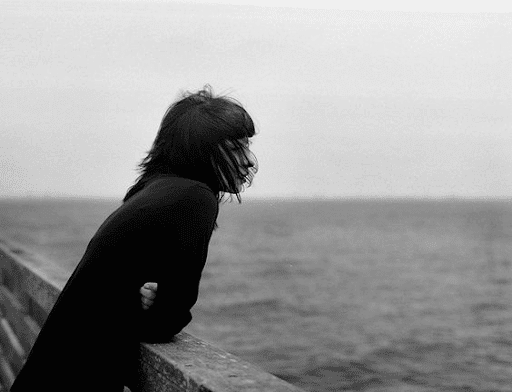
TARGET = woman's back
(170,213)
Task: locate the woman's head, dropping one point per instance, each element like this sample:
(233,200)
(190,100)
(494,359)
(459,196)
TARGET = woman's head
(205,138)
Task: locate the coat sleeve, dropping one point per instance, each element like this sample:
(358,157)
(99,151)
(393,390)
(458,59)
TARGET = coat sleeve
(178,248)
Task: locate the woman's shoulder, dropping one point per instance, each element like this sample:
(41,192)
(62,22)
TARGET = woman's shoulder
(172,190)
(178,185)
(163,197)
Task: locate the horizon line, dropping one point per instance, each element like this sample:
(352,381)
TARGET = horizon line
(279,197)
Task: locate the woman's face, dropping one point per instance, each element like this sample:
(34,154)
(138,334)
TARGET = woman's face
(246,161)
(241,162)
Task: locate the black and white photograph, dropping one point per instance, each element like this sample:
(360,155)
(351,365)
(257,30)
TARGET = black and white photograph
(255,196)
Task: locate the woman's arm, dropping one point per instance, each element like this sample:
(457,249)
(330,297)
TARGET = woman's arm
(178,246)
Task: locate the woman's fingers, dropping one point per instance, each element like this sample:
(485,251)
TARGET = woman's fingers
(148,293)
(153,286)
(146,302)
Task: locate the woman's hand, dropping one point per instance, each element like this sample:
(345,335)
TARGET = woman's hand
(148,294)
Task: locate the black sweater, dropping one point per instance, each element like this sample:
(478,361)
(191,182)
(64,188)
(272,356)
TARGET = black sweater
(90,338)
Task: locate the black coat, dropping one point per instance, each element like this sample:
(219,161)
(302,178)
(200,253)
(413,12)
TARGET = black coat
(90,339)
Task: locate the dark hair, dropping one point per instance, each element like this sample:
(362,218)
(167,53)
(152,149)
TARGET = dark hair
(204,138)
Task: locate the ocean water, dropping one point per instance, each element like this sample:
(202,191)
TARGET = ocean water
(356,295)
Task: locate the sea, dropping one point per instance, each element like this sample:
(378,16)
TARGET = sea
(388,295)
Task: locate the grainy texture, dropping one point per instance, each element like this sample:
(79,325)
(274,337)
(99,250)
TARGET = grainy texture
(189,364)
(13,351)
(14,312)
(6,373)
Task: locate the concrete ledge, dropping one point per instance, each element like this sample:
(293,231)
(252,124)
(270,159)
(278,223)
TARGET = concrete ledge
(187,364)
(190,364)
(6,373)
(13,352)
(16,315)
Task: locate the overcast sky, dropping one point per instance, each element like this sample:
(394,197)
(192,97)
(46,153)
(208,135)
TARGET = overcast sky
(347,101)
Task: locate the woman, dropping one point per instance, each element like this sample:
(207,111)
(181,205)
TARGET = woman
(159,234)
